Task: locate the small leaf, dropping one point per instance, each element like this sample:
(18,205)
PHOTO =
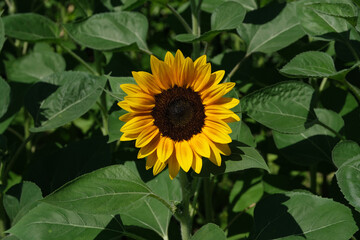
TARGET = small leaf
(345,152)
(35,66)
(315,143)
(310,64)
(209,232)
(228,15)
(109,190)
(299,215)
(53,223)
(109,31)
(20,199)
(4,96)
(115,83)
(284,107)
(62,97)
(345,10)
(274,35)
(30,27)
(115,124)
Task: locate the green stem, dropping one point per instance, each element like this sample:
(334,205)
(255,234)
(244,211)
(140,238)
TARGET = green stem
(185,219)
(195,27)
(209,214)
(180,18)
(171,207)
(79,59)
(331,130)
(353,89)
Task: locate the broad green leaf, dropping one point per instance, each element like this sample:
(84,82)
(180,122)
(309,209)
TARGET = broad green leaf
(316,23)
(53,223)
(210,231)
(227,16)
(62,97)
(241,133)
(346,156)
(339,9)
(315,143)
(109,31)
(109,190)
(241,158)
(115,83)
(2,32)
(345,152)
(310,64)
(284,107)
(20,199)
(114,125)
(4,97)
(35,66)
(210,5)
(299,215)
(30,27)
(274,35)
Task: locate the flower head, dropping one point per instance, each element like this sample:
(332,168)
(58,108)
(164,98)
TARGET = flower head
(178,114)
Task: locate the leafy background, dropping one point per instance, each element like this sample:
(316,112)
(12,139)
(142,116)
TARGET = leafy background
(295,166)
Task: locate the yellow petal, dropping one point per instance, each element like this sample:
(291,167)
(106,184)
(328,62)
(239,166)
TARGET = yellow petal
(150,161)
(129,88)
(136,122)
(233,118)
(217,124)
(215,157)
(217,92)
(158,167)
(141,101)
(162,73)
(126,117)
(201,61)
(169,59)
(149,148)
(197,163)
(227,102)
(155,65)
(184,155)
(201,77)
(178,65)
(215,135)
(218,76)
(146,82)
(200,145)
(165,148)
(187,73)
(124,105)
(224,149)
(146,136)
(173,166)
(128,136)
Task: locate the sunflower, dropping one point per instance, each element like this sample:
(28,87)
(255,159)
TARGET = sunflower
(178,114)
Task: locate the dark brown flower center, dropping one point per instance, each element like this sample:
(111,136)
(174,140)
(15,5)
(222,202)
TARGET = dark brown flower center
(178,113)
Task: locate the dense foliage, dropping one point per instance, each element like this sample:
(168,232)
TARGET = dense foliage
(294,171)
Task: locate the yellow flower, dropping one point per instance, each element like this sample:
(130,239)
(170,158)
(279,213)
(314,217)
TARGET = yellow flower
(178,114)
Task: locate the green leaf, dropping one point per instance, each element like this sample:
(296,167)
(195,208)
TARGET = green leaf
(115,124)
(345,152)
(189,38)
(20,199)
(35,66)
(345,10)
(53,223)
(228,15)
(4,97)
(30,27)
(62,97)
(315,143)
(209,231)
(109,31)
(310,64)
(316,23)
(241,133)
(2,32)
(241,158)
(115,83)
(274,35)
(346,156)
(210,5)
(109,190)
(284,107)
(299,215)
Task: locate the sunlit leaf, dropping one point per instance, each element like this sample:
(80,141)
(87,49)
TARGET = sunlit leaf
(228,15)
(108,31)
(339,9)
(299,215)
(30,27)
(345,152)
(115,83)
(284,107)
(210,232)
(62,97)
